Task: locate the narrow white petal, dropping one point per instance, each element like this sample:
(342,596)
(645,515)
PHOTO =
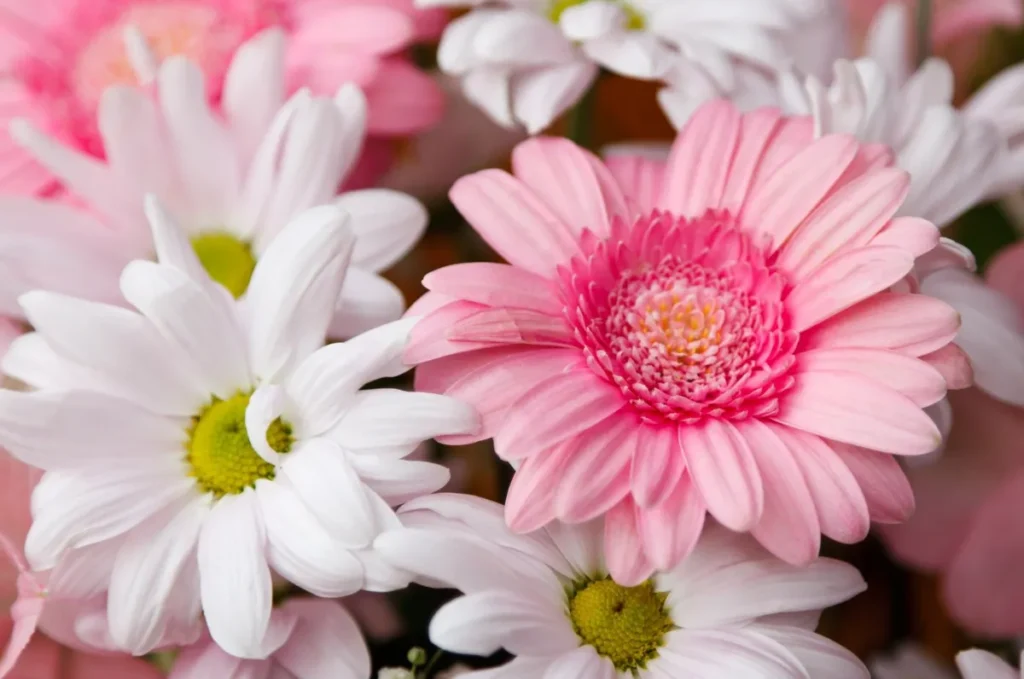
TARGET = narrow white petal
(367,300)
(171,244)
(386,223)
(398,481)
(234,576)
(265,405)
(583,662)
(140,55)
(540,97)
(327,643)
(390,417)
(254,88)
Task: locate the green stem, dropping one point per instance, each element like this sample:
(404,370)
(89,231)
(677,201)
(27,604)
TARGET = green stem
(580,124)
(924,30)
(430,665)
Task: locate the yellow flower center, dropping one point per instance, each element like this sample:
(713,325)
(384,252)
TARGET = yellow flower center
(634,19)
(627,625)
(221,458)
(228,260)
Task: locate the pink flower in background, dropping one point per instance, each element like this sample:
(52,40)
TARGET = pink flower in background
(63,54)
(672,339)
(317,639)
(952,19)
(17,480)
(968,525)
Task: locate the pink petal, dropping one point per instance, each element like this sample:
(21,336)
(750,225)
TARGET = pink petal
(915,235)
(658,464)
(912,377)
(623,548)
(724,470)
(789,525)
(852,215)
(360,28)
(596,477)
(838,499)
(402,100)
(698,167)
(495,285)
(530,503)
(778,206)
(555,411)
(563,175)
(911,324)
(88,666)
(843,281)
(886,488)
(514,221)
(953,364)
(982,585)
(854,409)
(641,178)
(511,326)
(670,530)
(756,131)
(429,339)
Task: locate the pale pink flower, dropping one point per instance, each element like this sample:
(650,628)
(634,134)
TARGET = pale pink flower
(730,609)
(321,640)
(968,524)
(701,335)
(61,55)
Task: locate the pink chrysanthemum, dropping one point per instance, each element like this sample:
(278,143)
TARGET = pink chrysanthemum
(715,334)
(60,56)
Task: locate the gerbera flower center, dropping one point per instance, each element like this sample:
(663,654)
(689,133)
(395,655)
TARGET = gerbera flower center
(634,19)
(627,625)
(685,317)
(228,259)
(221,458)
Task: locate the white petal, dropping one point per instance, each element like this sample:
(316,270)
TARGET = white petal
(632,54)
(541,96)
(592,19)
(327,643)
(728,652)
(583,662)
(85,508)
(294,289)
(331,488)
(254,88)
(978,664)
(171,244)
(485,622)
(398,481)
(366,301)
(326,383)
(300,549)
(205,153)
(234,576)
(145,574)
(121,345)
(387,224)
(141,57)
(199,323)
(521,39)
(390,417)
(820,656)
(489,88)
(265,405)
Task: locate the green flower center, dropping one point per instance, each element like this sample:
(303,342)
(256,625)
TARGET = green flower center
(634,22)
(221,458)
(227,259)
(627,625)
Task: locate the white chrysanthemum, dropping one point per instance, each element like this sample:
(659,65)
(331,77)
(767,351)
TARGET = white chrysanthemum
(729,609)
(527,61)
(195,445)
(231,177)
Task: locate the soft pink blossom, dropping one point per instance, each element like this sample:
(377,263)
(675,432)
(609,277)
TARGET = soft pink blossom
(969,524)
(702,335)
(63,54)
(317,639)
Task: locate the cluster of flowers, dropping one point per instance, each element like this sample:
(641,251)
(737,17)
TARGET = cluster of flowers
(699,360)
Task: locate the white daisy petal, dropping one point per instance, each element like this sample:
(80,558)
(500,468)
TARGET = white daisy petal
(265,405)
(171,244)
(398,481)
(366,301)
(328,644)
(254,87)
(333,492)
(583,662)
(234,576)
(300,549)
(145,574)
(381,418)
(386,224)
(325,384)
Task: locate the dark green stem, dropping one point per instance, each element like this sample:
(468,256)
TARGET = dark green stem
(924,30)
(425,674)
(580,122)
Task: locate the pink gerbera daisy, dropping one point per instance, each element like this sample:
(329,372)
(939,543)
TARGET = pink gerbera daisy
(715,334)
(60,56)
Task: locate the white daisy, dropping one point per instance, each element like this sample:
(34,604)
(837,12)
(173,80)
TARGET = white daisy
(729,609)
(232,181)
(527,61)
(196,444)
